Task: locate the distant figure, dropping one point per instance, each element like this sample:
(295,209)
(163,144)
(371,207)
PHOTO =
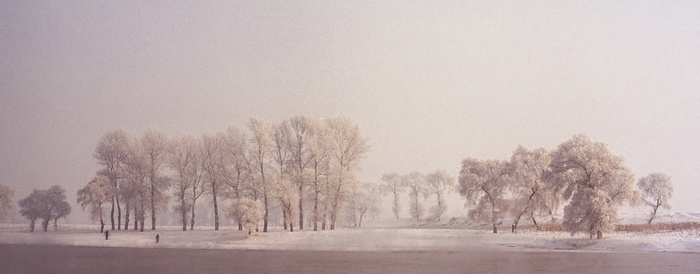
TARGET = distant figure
(107,235)
(157,238)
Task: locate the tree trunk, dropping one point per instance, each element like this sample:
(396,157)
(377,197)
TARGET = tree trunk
(45,224)
(119,215)
(32,222)
(55,224)
(266,213)
(216,207)
(194,199)
(495,229)
(112,214)
(284,217)
(291,226)
(184,215)
(301,209)
(153,204)
(240,226)
(102,226)
(599,234)
(653,214)
(126,216)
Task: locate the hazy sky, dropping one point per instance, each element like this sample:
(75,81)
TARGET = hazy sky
(430,82)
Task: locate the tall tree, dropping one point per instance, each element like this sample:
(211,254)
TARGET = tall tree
(182,158)
(111,153)
(281,157)
(532,192)
(237,173)
(154,144)
(595,182)
(134,184)
(212,157)
(437,183)
(262,143)
(415,183)
(97,192)
(6,194)
(392,184)
(348,147)
(656,191)
(319,166)
(484,184)
(301,131)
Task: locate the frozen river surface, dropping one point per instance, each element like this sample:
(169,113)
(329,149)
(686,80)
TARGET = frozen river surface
(72,259)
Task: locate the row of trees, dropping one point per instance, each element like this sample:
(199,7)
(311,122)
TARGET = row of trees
(290,164)
(580,173)
(438,183)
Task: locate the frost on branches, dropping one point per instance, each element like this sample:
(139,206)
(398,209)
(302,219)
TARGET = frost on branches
(594,181)
(248,212)
(656,190)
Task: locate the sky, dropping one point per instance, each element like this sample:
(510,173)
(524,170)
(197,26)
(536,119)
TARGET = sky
(429,82)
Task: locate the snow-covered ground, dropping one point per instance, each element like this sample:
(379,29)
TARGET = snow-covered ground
(376,235)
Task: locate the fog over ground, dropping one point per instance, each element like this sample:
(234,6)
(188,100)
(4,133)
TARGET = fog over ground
(430,83)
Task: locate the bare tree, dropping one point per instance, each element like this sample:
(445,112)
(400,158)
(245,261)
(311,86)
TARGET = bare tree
(595,181)
(6,194)
(656,191)
(392,184)
(415,183)
(281,156)
(484,184)
(111,152)
(319,166)
(31,207)
(97,192)
(437,183)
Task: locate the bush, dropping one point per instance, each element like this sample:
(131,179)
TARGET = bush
(657,227)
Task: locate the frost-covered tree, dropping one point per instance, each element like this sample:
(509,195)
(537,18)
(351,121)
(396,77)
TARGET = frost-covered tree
(237,175)
(365,200)
(392,185)
(532,192)
(154,143)
(415,183)
(213,167)
(111,153)
(286,191)
(301,133)
(6,194)
(97,192)
(280,155)
(319,166)
(348,145)
(436,184)
(595,182)
(247,211)
(261,143)
(182,158)
(656,191)
(133,186)
(484,184)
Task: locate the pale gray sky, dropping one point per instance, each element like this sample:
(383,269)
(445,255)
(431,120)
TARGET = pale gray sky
(430,82)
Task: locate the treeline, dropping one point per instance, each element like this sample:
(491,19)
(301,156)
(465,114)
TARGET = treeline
(437,184)
(582,174)
(296,162)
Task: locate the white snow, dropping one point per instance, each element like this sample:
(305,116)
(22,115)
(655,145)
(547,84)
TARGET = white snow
(378,236)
